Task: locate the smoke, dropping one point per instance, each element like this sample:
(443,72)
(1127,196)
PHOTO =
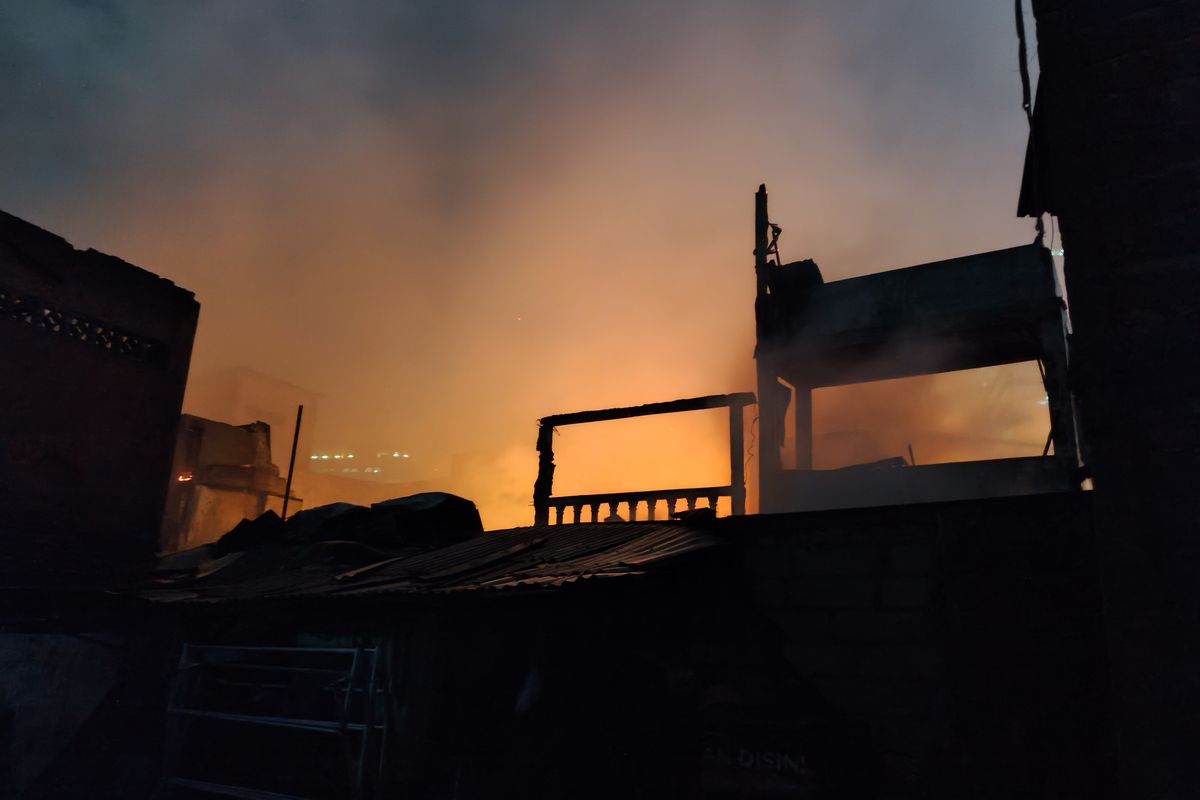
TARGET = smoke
(452,218)
(994,412)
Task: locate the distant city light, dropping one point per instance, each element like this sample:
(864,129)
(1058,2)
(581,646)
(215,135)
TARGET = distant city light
(314,456)
(337,455)
(184,477)
(396,454)
(351,455)
(405,455)
(325,456)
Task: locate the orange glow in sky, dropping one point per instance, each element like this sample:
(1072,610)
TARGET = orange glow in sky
(448,228)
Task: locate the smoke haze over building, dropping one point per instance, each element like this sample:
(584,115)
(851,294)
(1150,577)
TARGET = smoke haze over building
(452,218)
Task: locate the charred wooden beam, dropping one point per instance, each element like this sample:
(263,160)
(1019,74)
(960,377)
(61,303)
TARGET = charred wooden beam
(649,409)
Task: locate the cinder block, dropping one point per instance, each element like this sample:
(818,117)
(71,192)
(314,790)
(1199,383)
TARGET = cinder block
(906,593)
(803,626)
(910,736)
(885,627)
(822,659)
(917,662)
(767,559)
(826,593)
(914,557)
(840,561)
(874,697)
(771,592)
(899,771)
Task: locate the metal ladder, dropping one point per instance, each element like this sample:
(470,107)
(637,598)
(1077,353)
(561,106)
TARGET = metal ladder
(312,706)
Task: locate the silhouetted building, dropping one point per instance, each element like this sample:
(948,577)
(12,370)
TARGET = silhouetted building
(1114,154)
(912,643)
(221,474)
(242,395)
(96,355)
(981,310)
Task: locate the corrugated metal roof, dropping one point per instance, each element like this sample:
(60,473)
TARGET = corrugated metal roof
(544,558)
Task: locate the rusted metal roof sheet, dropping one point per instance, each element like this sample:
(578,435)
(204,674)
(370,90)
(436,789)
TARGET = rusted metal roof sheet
(532,558)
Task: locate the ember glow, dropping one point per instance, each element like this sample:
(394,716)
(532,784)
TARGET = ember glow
(450,219)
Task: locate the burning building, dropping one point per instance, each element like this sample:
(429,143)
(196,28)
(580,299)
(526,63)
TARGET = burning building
(220,475)
(984,630)
(982,310)
(874,635)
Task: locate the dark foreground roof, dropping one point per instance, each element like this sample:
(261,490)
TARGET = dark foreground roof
(531,558)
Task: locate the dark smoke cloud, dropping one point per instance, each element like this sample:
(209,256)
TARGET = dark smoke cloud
(451,218)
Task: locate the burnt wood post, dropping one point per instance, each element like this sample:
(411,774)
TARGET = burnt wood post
(770,417)
(737,462)
(1058,392)
(544,485)
(803,419)
(287,488)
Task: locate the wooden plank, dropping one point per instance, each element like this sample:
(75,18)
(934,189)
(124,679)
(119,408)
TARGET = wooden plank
(649,409)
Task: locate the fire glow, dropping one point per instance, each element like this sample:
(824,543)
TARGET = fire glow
(447,250)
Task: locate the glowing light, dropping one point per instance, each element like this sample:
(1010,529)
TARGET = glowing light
(337,455)
(351,455)
(184,477)
(314,456)
(396,454)
(404,455)
(326,456)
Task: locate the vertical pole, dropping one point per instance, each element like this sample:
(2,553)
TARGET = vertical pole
(770,416)
(287,488)
(737,463)
(544,485)
(761,225)
(1058,391)
(803,419)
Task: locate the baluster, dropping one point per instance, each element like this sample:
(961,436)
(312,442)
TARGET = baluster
(633,504)
(691,501)
(595,511)
(671,501)
(558,515)
(578,508)
(612,509)
(712,502)
(651,505)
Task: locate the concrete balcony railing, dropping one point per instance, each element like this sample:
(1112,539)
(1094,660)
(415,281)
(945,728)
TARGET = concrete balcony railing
(611,503)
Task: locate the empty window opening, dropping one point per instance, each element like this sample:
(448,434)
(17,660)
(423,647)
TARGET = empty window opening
(685,449)
(971,415)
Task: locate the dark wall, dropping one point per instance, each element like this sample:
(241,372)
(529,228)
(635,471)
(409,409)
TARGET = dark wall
(965,636)
(95,355)
(1116,155)
(934,651)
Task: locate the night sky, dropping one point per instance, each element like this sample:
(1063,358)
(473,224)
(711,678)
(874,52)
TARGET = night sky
(451,218)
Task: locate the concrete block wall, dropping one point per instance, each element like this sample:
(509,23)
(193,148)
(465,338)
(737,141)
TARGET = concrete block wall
(964,636)
(1118,152)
